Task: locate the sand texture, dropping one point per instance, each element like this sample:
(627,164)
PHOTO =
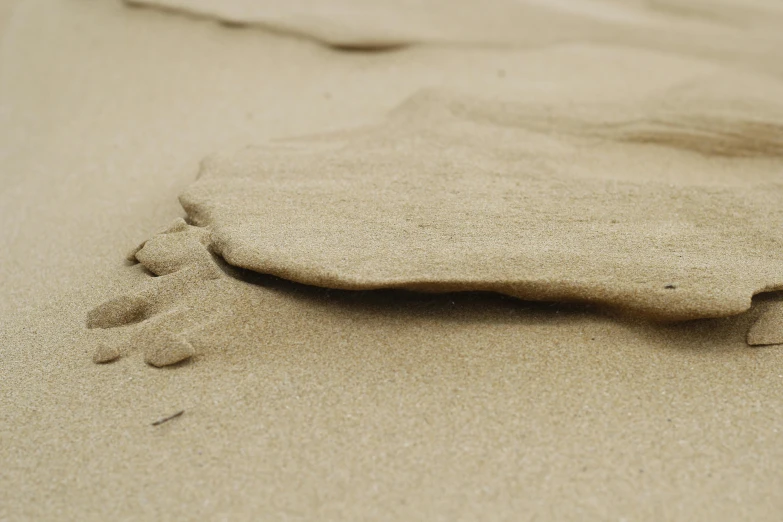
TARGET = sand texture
(456,194)
(741,31)
(453,193)
(296,402)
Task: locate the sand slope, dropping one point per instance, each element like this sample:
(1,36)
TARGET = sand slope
(744,32)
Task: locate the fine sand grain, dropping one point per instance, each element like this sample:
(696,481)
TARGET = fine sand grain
(316,404)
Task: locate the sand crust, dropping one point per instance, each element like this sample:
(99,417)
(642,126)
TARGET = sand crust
(455,193)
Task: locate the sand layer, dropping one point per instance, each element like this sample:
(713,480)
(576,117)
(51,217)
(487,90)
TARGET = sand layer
(562,202)
(457,193)
(322,404)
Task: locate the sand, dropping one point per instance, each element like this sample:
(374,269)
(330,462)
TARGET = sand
(741,31)
(457,193)
(325,404)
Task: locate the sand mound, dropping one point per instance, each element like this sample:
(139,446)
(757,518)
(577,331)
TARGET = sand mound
(748,31)
(457,194)
(452,193)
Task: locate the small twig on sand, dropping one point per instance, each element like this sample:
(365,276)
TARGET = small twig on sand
(166,419)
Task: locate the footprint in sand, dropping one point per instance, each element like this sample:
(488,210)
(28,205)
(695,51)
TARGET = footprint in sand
(670,209)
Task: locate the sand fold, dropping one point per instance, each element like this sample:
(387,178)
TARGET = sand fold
(568,202)
(460,194)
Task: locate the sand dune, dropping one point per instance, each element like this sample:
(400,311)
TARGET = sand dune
(743,32)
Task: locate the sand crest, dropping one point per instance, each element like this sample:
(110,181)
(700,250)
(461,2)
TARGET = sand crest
(746,32)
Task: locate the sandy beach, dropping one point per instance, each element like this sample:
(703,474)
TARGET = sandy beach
(304,402)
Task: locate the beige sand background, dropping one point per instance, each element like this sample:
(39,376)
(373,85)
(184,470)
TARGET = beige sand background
(746,31)
(335,406)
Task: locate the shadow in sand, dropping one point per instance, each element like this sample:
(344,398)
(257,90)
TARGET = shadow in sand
(450,306)
(270,28)
(709,335)
(706,335)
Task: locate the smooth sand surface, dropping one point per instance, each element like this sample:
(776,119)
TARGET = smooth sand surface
(741,30)
(324,404)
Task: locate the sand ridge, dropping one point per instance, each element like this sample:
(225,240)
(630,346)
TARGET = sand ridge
(454,193)
(746,33)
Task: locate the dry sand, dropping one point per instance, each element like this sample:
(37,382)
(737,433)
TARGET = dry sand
(455,193)
(741,30)
(323,404)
